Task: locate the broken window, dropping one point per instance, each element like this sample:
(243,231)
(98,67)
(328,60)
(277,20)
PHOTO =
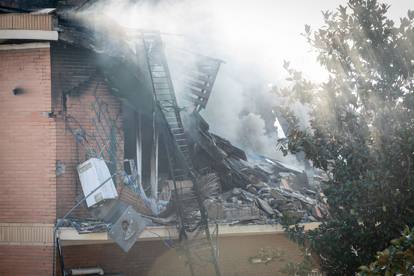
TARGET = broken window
(143,146)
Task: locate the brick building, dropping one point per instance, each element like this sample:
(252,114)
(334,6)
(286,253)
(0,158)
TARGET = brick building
(66,97)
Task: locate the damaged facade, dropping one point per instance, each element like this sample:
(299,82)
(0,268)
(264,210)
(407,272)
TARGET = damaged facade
(105,172)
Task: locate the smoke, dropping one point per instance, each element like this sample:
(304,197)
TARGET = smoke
(251,134)
(253,39)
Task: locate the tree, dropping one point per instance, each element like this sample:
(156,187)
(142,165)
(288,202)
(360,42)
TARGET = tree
(361,131)
(397,259)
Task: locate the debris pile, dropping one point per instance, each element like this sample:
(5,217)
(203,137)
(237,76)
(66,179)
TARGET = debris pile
(262,202)
(255,188)
(266,205)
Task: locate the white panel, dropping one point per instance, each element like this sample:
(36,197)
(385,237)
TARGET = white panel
(92,174)
(29,34)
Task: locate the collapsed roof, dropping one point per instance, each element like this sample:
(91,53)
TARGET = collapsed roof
(210,180)
(269,188)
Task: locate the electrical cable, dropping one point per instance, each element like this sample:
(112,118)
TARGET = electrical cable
(59,221)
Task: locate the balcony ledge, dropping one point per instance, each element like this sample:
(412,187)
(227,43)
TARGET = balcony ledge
(69,236)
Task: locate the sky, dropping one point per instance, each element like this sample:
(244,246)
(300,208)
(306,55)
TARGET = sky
(257,35)
(263,33)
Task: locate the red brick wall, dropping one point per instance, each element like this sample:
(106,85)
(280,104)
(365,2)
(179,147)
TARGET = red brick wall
(111,258)
(27,138)
(234,254)
(154,258)
(74,74)
(27,155)
(25,260)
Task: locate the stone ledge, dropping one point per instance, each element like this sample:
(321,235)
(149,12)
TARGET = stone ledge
(29,35)
(69,236)
(26,234)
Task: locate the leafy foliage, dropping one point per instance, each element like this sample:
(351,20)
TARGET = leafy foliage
(398,258)
(303,268)
(360,132)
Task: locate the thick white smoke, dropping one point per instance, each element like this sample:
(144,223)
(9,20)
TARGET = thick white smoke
(252,37)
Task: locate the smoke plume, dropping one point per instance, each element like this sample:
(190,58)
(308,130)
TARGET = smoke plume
(253,40)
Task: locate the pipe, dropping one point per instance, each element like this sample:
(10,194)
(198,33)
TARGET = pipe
(86,271)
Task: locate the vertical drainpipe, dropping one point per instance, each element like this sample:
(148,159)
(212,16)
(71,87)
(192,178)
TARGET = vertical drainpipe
(112,152)
(139,151)
(154,160)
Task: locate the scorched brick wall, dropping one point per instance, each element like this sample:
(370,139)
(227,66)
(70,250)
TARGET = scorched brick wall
(87,116)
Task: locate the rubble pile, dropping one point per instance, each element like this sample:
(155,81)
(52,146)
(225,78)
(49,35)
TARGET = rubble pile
(254,187)
(268,203)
